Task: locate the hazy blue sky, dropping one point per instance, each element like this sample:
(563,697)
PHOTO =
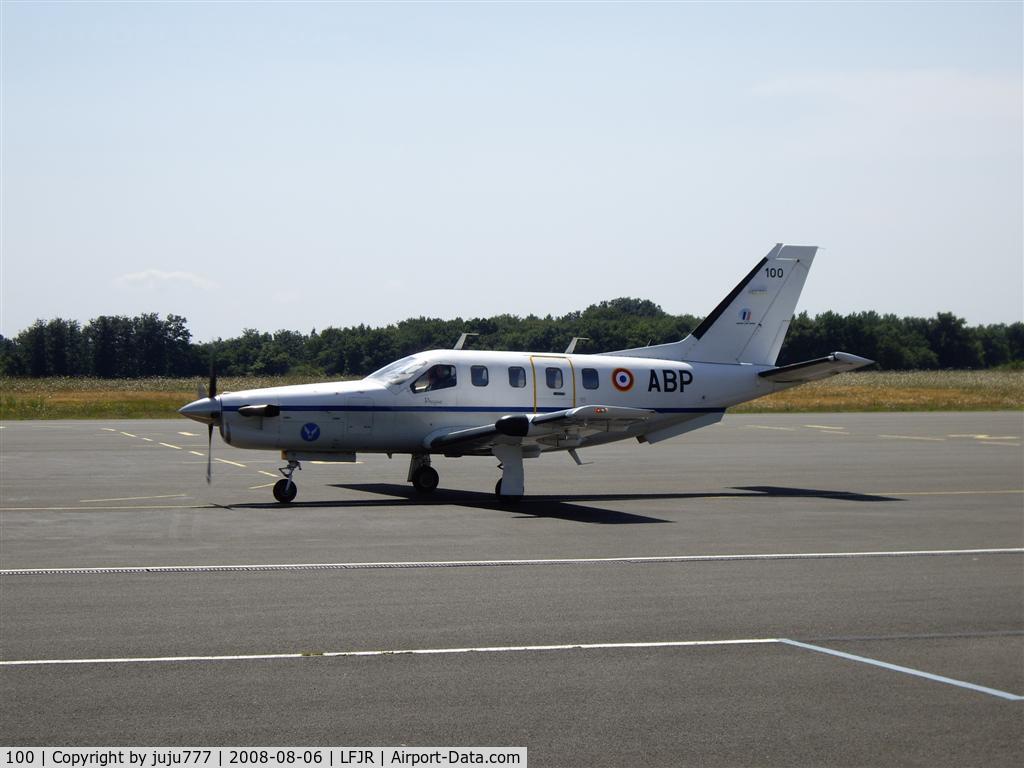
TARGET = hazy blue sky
(304,165)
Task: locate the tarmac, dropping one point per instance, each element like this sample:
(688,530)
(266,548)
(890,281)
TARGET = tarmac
(806,589)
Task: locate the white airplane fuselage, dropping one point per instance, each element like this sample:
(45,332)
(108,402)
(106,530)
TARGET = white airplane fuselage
(374,416)
(516,405)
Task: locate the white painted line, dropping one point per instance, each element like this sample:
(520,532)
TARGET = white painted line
(197,453)
(822,426)
(988,437)
(268,474)
(108,429)
(103,509)
(398,652)
(501,563)
(912,437)
(168,445)
(232,463)
(189,434)
(780,429)
(139,498)
(905,670)
(128,434)
(256,487)
(148,439)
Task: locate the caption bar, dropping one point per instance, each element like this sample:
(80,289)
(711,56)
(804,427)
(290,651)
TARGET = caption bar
(258,757)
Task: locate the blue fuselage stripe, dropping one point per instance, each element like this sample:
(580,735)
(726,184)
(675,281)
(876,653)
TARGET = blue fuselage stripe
(454,409)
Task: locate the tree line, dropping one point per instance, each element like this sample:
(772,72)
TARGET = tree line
(148,345)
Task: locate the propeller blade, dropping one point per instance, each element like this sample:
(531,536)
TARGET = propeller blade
(213,377)
(209,452)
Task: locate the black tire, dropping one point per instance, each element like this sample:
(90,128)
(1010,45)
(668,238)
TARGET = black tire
(497,487)
(425,479)
(285,490)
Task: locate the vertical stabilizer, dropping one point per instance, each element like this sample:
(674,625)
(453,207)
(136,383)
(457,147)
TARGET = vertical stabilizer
(748,325)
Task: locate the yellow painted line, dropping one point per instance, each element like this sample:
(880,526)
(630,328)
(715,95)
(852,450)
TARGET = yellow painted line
(913,437)
(128,434)
(197,453)
(268,474)
(232,463)
(780,429)
(138,498)
(822,426)
(949,493)
(168,445)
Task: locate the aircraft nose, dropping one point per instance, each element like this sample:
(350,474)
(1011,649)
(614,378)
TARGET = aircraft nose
(206,409)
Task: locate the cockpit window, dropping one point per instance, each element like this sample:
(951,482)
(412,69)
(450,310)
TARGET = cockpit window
(399,371)
(436,377)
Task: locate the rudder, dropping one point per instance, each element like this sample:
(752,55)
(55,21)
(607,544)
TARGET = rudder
(750,324)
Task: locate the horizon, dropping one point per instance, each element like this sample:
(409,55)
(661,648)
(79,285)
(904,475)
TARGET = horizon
(314,329)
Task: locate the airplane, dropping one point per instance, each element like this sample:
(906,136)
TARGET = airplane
(517,405)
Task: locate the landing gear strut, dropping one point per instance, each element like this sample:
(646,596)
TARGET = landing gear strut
(424,478)
(511,486)
(285,490)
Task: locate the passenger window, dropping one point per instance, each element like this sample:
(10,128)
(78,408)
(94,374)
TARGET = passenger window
(554,378)
(590,379)
(517,376)
(436,377)
(478,374)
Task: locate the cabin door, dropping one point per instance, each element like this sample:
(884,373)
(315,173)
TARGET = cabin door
(554,382)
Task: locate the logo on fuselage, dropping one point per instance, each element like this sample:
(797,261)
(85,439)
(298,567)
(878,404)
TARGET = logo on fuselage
(745,315)
(669,381)
(622,379)
(310,432)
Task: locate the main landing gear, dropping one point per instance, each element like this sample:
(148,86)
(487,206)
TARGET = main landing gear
(424,478)
(286,490)
(510,487)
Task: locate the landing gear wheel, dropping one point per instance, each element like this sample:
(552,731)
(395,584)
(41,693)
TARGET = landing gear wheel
(425,479)
(497,487)
(285,490)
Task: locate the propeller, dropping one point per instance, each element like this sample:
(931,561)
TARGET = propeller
(211,393)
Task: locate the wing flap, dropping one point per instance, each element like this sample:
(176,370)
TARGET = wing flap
(540,427)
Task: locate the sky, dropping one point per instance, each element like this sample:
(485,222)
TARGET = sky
(305,165)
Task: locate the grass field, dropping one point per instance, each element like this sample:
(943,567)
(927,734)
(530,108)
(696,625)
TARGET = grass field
(80,398)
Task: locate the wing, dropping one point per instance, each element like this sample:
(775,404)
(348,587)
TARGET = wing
(812,370)
(564,428)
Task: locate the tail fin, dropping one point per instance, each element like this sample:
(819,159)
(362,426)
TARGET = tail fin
(748,325)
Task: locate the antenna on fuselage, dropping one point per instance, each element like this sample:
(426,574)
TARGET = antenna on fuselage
(572,344)
(462,340)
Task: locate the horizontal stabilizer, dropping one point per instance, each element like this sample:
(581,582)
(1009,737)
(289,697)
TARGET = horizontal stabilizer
(812,370)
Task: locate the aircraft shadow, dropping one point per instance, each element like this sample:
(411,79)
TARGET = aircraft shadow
(572,507)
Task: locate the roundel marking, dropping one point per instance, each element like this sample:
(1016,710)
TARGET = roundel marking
(310,432)
(622,379)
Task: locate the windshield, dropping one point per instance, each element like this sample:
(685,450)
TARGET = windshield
(399,371)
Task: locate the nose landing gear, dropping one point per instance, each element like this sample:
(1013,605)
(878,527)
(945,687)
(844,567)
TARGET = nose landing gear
(286,490)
